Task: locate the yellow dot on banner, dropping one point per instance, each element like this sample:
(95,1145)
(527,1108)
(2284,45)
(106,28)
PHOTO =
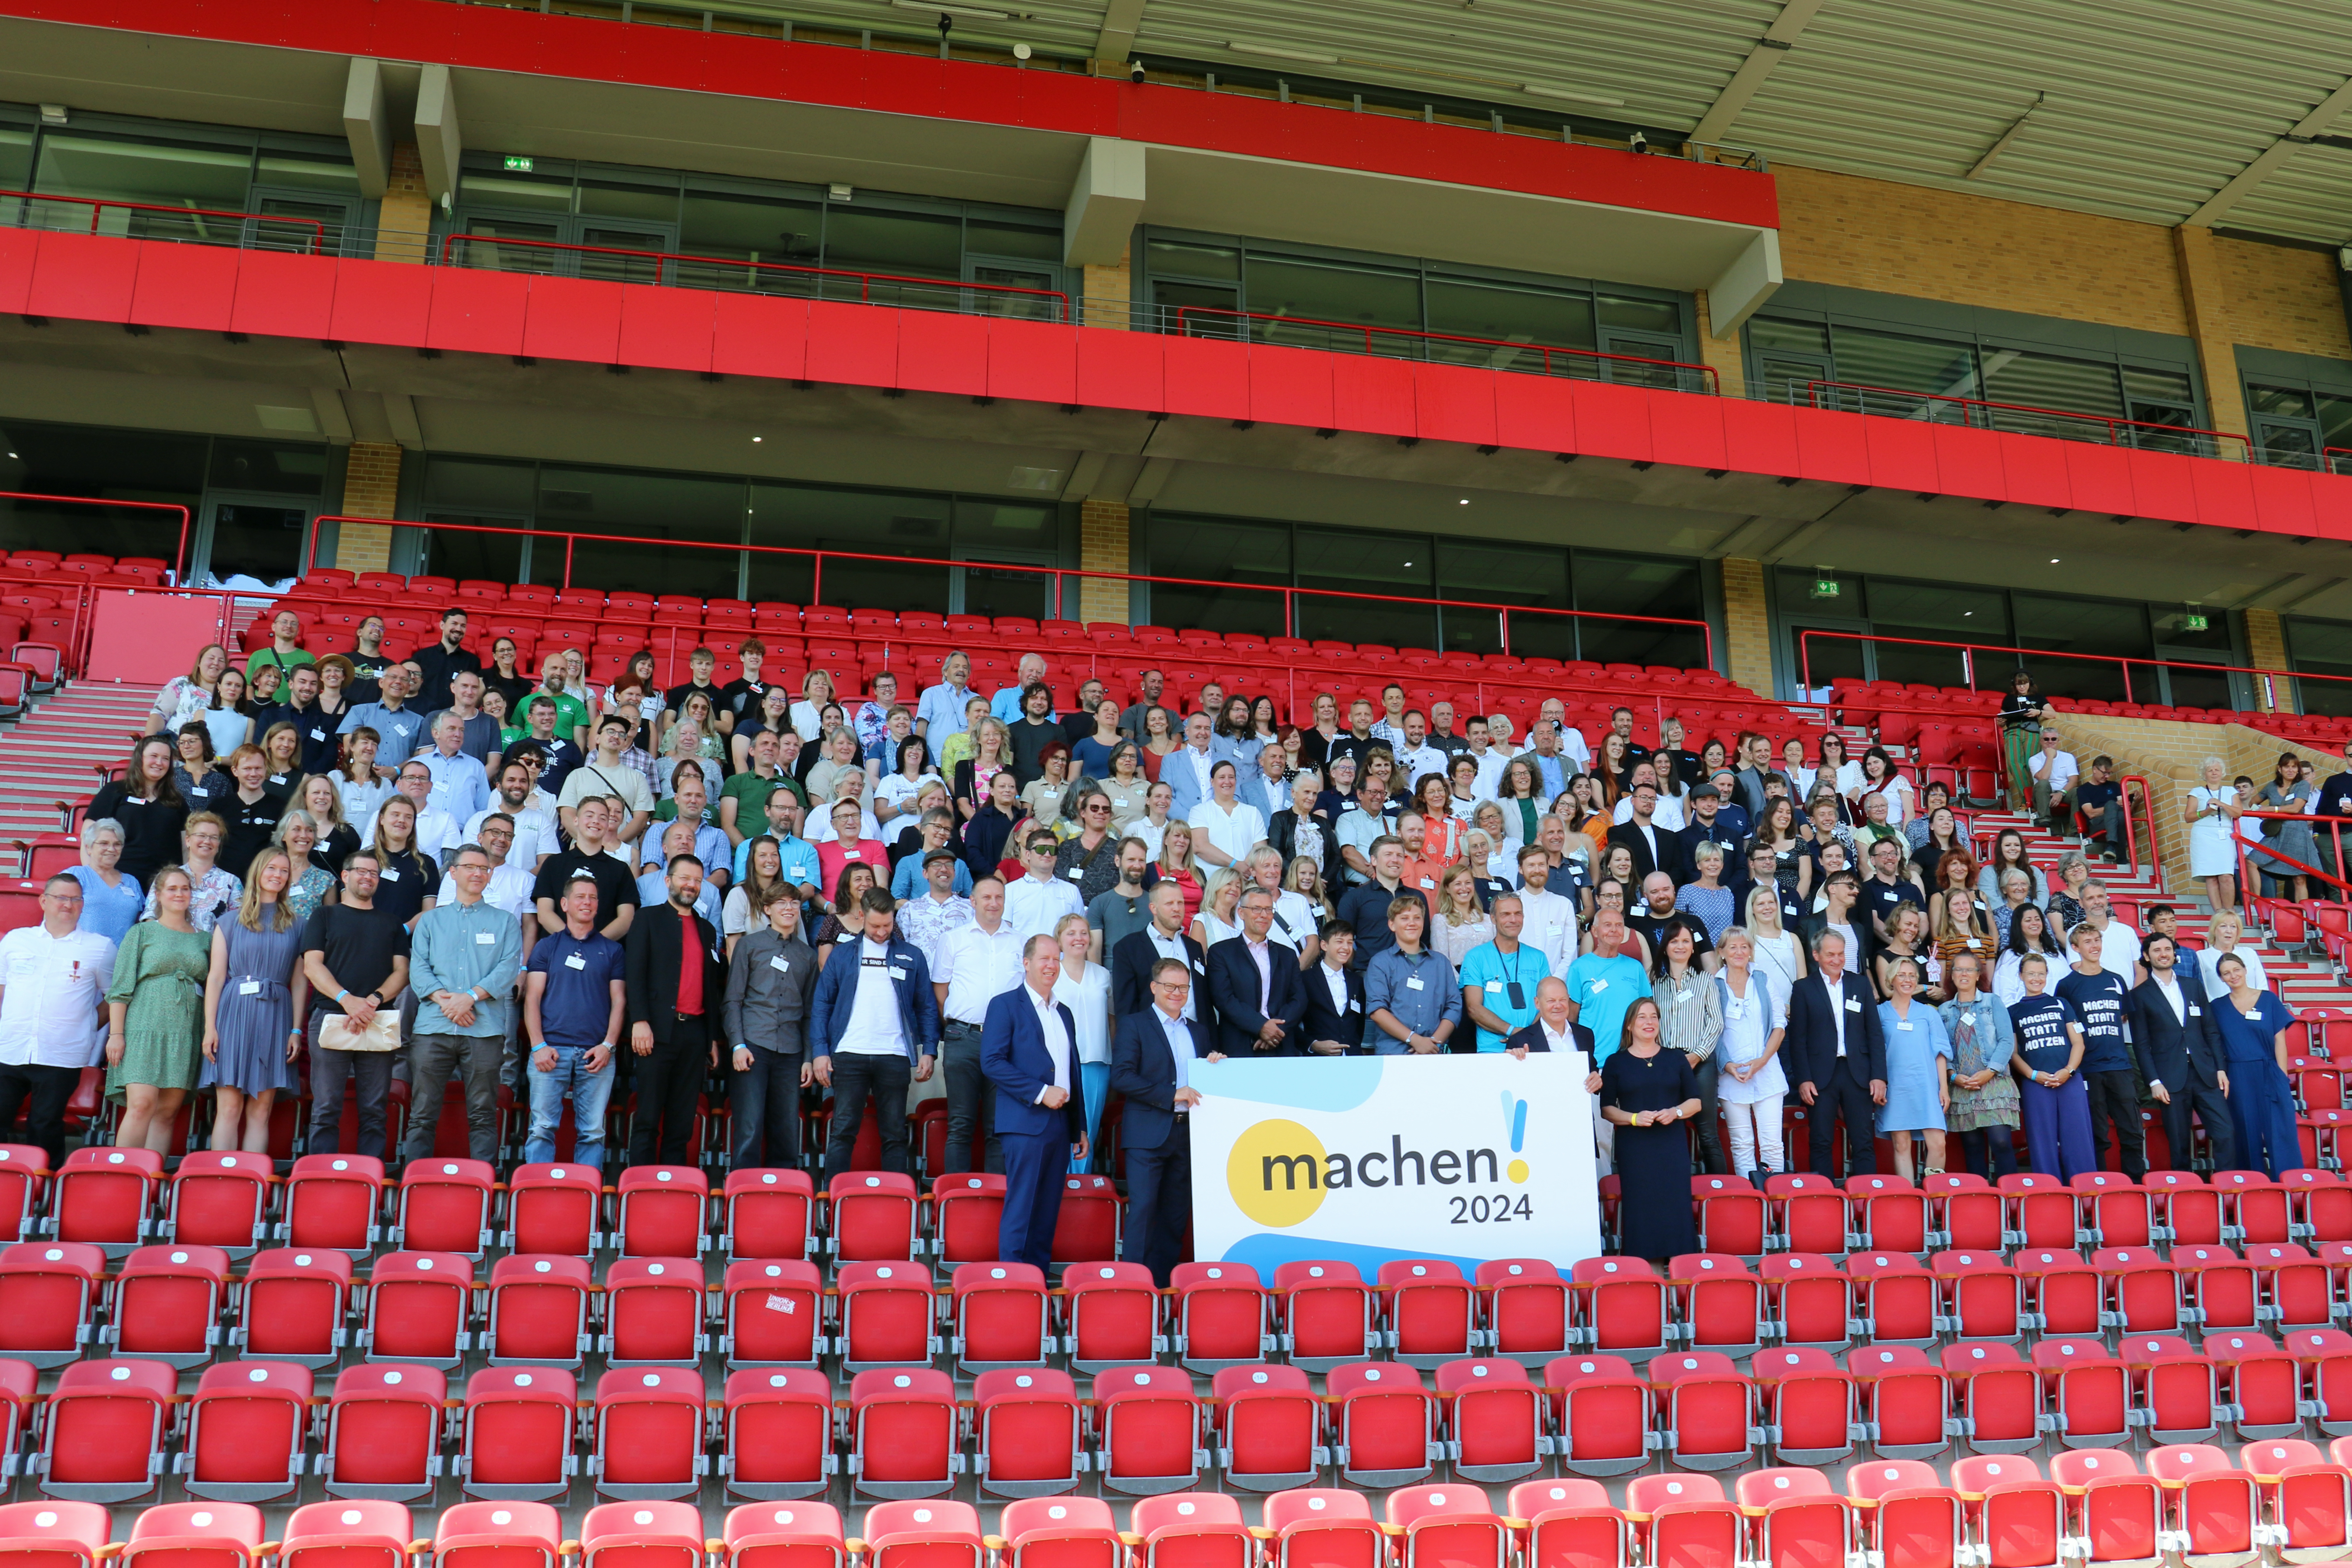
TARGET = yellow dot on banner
(1517,1171)
(1276,1174)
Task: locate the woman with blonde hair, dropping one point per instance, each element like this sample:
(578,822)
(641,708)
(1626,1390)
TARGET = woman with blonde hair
(156,1015)
(297,834)
(1779,955)
(2223,936)
(255,992)
(1083,988)
(216,889)
(992,753)
(816,690)
(324,799)
(1216,922)
(1960,927)
(1461,923)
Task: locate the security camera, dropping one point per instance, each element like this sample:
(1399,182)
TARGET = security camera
(1639,142)
(1135,70)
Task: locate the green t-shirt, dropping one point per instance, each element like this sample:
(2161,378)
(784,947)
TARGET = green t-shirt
(285,661)
(571,713)
(750,793)
(668,812)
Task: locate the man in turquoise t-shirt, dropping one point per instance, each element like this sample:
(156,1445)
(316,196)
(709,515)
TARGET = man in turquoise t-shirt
(1603,983)
(1499,978)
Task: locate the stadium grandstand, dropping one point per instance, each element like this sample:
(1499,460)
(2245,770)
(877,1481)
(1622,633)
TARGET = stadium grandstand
(668,665)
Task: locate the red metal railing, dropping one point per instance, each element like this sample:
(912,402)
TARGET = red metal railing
(2013,656)
(316,243)
(1043,300)
(1060,576)
(2148,810)
(179,555)
(2018,418)
(2335,825)
(1488,352)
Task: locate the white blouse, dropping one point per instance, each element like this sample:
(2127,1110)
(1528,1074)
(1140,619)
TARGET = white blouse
(1088,1000)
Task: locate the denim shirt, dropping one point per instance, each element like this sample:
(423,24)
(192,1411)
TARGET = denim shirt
(1387,985)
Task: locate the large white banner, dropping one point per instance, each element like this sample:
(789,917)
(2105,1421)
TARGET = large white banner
(1365,1160)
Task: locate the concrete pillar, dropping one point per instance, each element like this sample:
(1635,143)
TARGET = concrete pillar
(1748,623)
(2266,649)
(371,489)
(1103,547)
(2202,291)
(1722,355)
(403,229)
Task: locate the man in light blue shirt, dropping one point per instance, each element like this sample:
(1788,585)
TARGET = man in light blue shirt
(1499,978)
(465,958)
(940,712)
(1604,983)
(799,856)
(1006,704)
(397,728)
(1410,1000)
(460,786)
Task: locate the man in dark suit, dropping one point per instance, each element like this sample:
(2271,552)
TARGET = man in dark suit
(1132,956)
(1253,982)
(1841,912)
(676,989)
(1654,848)
(1029,1050)
(2181,1051)
(1837,1056)
(1333,1024)
(891,1047)
(1151,1060)
(1552,1029)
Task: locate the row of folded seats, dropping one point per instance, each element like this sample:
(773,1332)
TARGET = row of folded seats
(113,1430)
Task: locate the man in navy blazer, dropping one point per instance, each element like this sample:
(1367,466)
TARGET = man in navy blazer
(1133,955)
(895,1046)
(1029,1050)
(1253,981)
(1837,1056)
(1334,996)
(1151,1060)
(2181,1051)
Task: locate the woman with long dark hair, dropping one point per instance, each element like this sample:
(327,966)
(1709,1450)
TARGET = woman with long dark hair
(149,805)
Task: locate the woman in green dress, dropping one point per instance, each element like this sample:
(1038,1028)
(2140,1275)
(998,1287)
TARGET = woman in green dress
(155,1016)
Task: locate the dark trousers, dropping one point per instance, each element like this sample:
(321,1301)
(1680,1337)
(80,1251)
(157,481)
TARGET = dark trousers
(1990,1151)
(971,1099)
(1159,1200)
(42,1093)
(854,1078)
(2114,1117)
(766,1119)
(2212,1107)
(1846,1094)
(432,1059)
(368,1075)
(668,1082)
(1709,1126)
(1035,1164)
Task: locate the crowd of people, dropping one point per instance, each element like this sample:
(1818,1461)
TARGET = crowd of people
(322,873)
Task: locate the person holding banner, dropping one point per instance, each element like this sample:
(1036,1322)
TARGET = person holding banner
(1647,1092)
(1152,1062)
(1029,1050)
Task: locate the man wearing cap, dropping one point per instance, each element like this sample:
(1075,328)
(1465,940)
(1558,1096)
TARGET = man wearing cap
(2054,773)
(939,911)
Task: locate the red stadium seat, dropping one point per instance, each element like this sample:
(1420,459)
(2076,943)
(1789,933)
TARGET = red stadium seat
(1493,1420)
(420,1307)
(1524,1308)
(24,1180)
(776,1434)
(873,1216)
(297,1306)
(767,1215)
(798,1535)
(504,1534)
(1001,1317)
(1429,1312)
(553,1210)
(967,1209)
(445,1206)
(1112,1314)
(1060,1532)
(903,1434)
(1270,1428)
(773,1314)
(246,1426)
(49,1301)
(1029,1434)
(662,1212)
(887,1316)
(1223,1316)
(332,1201)
(649,1428)
(105,1198)
(1151,1432)
(107,1425)
(383,1432)
(538,1311)
(1191,1530)
(220,1200)
(168,1303)
(653,1312)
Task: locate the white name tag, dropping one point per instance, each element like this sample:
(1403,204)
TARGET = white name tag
(1354,1005)
(1414,983)
(1495,985)
(851,855)
(1078,873)
(779,965)
(1905,1026)
(485,939)
(2193,1011)
(898,974)
(575,962)
(1196,967)
(318,734)
(390,875)
(1599,987)
(248,988)
(1428,883)
(1853,1007)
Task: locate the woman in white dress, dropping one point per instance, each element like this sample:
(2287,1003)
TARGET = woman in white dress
(2210,809)
(1461,923)
(1750,1083)
(1216,922)
(2225,935)
(1083,988)
(1780,956)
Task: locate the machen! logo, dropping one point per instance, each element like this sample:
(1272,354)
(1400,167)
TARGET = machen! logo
(1279,1172)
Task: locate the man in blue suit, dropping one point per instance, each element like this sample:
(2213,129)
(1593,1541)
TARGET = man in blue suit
(1836,1056)
(1253,981)
(2181,1051)
(894,1040)
(1029,1050)
(1151,1060)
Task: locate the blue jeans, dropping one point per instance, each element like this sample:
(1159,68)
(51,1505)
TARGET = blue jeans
(588,1092)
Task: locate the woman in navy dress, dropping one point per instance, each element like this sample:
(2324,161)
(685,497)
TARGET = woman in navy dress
(2261,1102)
(1648,1092)
(2048,1058)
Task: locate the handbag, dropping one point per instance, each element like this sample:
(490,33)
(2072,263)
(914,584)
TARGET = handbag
(381,1034)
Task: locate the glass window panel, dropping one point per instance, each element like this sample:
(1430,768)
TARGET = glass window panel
(1001,591)
(754,228)
(2185,687)
(496,557)
(115,465)
(990,525)
(2335,420)
(1905,661)
(2082,626)
(1640,315)
(310,171)
(1808,591)
(528,245)
(861,522)
(1502,574)
(1330,291)
(2176,627)
(15,158)
(1869,358)
(1495,311)
(312,228)
(176,174)
(991,237)
(1196,310)
(1220,558)
(2161,396)
(919,245)
(260,541)
(288,470)
(2048,381)
(613,198)
(1797,337)
(668,509)
(2288,402)
(467,484)
(1955,613)
(526,193)
(1638,585)
(1178,259)
(2324,648)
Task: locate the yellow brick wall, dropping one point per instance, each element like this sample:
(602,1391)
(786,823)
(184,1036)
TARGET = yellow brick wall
(2275,297)
(1107,290)
(371,489)
(1748,647)
(2266,649)
(1102,547)
(404,228)
(1723,354)
(2171,757)
(2206,293)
